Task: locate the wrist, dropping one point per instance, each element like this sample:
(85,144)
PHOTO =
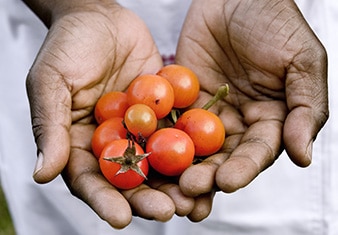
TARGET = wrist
(50,10)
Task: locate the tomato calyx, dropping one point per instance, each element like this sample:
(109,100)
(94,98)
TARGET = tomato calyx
(129,160)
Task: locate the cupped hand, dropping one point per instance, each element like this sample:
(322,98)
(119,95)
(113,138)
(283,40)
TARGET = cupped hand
(89,50)
(277,73)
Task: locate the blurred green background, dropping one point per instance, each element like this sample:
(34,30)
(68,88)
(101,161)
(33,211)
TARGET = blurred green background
(6,226)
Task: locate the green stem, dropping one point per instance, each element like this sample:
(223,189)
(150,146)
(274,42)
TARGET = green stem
(222,92)
(173,114)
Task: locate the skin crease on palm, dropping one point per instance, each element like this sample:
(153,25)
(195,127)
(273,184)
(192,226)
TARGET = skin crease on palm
(276,69)
(274,65)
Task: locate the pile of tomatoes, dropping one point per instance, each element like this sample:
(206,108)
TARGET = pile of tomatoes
(134,132)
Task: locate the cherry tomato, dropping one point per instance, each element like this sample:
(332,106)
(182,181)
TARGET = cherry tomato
(111,129)
(205,129)
(140,119)
(124,165)
(171,151)
(184,82)
(112,104)
(154,91)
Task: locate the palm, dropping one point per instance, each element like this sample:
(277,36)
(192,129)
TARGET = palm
(261,53)
(93,60)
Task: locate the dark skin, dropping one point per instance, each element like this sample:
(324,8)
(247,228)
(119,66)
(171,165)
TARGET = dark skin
(275,66)
(276,69)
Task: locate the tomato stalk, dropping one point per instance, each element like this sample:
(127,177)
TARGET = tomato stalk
(129,160)
(140,139)
(173,114)
(222,92)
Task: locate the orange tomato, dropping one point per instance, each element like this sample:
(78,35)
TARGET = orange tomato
(154,91)
(121,169)
(112,104)
(184,82)
(171,151)
(109,130)
(205,129)
(140,119)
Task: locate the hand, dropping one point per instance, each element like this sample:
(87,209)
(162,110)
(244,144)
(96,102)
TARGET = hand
(276,69)
(89,50)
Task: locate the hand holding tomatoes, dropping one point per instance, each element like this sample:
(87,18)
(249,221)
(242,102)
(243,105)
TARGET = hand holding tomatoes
(262,109)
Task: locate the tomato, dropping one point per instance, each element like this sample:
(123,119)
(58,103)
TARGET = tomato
(184,82)
(154,91)
(171,151)
(112,104)
(124,164)
(140,119)
(205,129)
(109,130)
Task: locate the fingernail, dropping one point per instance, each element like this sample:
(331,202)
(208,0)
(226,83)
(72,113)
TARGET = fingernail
(39,163)
(309,152)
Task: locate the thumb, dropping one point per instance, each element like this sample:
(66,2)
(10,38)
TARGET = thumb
(50,103)
(307,99)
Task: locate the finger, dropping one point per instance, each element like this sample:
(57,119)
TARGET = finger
(258,148)
(50,104)
(183,203)
(203,206)
(253,155)
(306,90)
(84,179)
(149,203)
(299,135)
(204,172)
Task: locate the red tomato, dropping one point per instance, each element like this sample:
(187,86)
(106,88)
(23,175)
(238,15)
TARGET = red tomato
(154,91)
(112,104)
(109,130)
(205,129)
(171,151)
(184,82)
(140,119)
(121,173)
